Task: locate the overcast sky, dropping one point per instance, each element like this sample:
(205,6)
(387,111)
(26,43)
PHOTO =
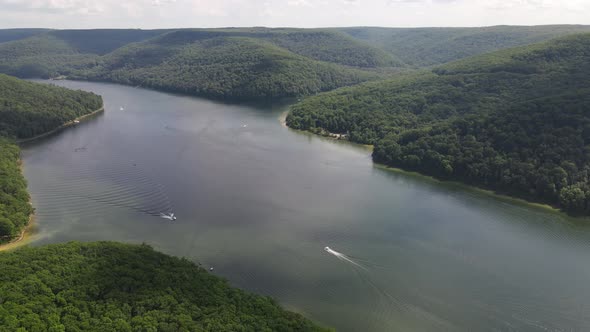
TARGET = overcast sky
(293,13)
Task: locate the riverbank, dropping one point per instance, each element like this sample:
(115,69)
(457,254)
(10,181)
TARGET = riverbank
(63,126)
(478,190)
(26,236)
(456,184)
(28,231)
(333,138)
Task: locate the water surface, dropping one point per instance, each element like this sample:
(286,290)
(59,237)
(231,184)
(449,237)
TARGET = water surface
(259,202)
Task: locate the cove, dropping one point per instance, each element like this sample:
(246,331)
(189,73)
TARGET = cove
(260,203)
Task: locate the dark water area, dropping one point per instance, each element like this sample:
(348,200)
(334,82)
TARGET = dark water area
(260,202)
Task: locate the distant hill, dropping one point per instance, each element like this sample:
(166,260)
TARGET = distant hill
(7,35)
(108,286)
(317,44)
(515,121)
(253,63)
(222,67)
(61,52)
(421,47)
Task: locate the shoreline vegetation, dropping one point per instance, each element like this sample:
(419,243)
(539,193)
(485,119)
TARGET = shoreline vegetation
(513,122)
(28,231)
(61,287)
(479,190)
(433,179)
(423,176)
(26,236)
(62,127)
(464,186)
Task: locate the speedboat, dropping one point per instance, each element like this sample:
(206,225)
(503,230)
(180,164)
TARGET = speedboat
(327,249)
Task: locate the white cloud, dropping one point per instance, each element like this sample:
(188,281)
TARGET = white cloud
(304,13)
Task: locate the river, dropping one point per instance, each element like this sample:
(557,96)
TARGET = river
(259,202)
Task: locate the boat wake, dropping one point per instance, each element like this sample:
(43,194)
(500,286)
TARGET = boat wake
(169,216)
(343,257)
(386,300)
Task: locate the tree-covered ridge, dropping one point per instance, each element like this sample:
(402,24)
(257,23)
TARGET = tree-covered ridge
(317,44)
(118,287)
(14,198)
(223,67)
(7,35)
(42,56)
(250,63)
(29,109)
(421,47)
(515,121)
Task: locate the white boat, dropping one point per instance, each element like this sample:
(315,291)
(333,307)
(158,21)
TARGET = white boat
(76,121)
(169,216)
(121,108)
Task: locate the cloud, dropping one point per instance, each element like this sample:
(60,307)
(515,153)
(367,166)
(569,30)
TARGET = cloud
(56,6)
(303,13)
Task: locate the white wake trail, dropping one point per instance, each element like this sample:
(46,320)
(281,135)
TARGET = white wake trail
(343,257)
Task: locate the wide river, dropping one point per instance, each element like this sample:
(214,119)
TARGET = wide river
(260,202)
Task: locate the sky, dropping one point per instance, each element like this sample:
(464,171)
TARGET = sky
(147,14)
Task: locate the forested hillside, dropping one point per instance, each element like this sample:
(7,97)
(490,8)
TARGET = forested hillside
(62,52)
(117,287)
(14,198)
(250,63)
(16,34)
(421,47)
(223,67)
(28,109)
(515,121)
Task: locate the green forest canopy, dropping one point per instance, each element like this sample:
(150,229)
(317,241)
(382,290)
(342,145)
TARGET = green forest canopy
(29,109)
(250,63)
(420,47)
(254,63)
(515,121)
(108,286)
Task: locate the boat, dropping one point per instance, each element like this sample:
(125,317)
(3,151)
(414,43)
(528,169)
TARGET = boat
(76,121)
(121,108)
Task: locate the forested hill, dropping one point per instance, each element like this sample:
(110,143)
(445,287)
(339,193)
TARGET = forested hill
(421,47)
(222,67)
(16,34)
(516,121)
(29,109)
(249,63)
(117,287)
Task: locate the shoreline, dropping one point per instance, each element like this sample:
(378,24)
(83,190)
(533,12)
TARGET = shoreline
(25,237)
(62,127)
(457,184)
(283,120)
(479,190)
(28,231)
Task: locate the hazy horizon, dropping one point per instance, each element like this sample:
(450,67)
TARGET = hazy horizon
(175,14)
(294,27)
